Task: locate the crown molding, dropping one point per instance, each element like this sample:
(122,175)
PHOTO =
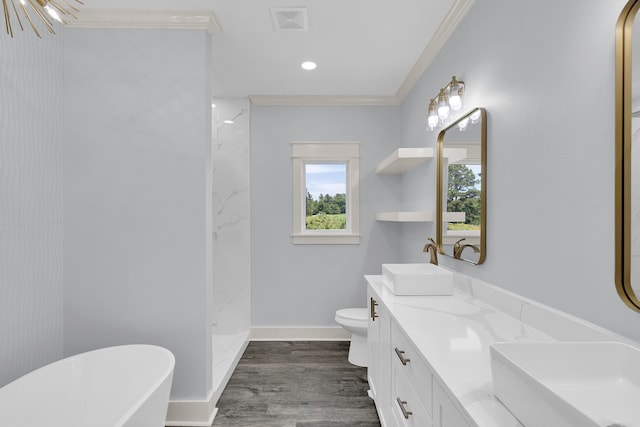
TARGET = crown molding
(323,100)
(146,19)
(458,11)
(440,37)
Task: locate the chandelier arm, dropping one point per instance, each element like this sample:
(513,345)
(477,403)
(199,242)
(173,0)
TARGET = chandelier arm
(15,10)
(62,9)
(35,30)
(7,21)
(43,18)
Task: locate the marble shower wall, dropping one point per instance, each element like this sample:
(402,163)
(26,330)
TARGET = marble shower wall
(31,291)
(231,227)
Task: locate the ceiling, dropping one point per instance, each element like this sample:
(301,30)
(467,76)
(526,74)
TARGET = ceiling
(366,49)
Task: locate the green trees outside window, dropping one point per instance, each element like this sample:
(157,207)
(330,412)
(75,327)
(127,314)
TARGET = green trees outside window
(326,212)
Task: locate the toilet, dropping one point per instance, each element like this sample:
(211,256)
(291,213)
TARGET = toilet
(355,320)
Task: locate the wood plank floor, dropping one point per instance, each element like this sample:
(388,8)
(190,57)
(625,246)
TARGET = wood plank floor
(296,384)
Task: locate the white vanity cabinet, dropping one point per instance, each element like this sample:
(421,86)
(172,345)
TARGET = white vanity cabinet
(379,370)
(445,414)
(405,391)
(411,392)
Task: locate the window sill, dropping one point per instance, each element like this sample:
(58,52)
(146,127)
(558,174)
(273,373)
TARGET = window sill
(326,239)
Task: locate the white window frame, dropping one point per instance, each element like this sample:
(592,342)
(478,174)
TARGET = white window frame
(347,152)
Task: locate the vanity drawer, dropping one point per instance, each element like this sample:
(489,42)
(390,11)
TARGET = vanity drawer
(413,367)
(407,409)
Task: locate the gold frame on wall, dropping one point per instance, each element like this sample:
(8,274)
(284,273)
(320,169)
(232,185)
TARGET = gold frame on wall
(623,214)
(483,186)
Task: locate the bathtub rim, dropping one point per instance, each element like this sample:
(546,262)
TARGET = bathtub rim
(154,385)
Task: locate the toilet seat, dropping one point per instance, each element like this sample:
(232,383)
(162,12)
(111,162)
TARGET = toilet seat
(352,317)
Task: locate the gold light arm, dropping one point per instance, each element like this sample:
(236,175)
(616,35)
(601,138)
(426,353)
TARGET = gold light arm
(41,8)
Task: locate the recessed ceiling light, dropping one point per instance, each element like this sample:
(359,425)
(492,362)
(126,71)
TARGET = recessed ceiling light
(308,65)
(229,122)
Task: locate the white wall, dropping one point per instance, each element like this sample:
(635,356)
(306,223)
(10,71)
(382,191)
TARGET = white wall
(30,202)
(545,72)
(231,208)
(303,285)
(137,256)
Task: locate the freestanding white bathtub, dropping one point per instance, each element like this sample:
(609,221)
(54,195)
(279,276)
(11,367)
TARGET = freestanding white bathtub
(119,386)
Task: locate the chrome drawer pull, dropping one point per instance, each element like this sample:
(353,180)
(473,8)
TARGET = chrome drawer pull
(401,404)
(404,360)
(373,306)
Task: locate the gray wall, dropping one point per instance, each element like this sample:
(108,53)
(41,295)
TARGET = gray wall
(303,285)
(549,92)
(30,203)
(137,207)
(545,72)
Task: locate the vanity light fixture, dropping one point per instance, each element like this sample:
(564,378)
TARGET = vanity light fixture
(45,10)
(448,99)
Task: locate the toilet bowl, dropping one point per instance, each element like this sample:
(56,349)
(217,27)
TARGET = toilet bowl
(355,320)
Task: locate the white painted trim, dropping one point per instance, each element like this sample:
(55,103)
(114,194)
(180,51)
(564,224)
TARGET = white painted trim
(201,413)
(192,413)
(272,333)
(435,45)
(325,239)
(146,19)
(347,152)
(330,100)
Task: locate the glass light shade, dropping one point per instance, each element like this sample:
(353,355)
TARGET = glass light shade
(432,115)
(475,116)
(456,90)
(455,99)
(443,105)
(433,120)
(462,125)
(443,111)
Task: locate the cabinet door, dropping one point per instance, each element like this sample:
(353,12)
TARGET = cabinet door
(379,369)
(373,340)
(445,413)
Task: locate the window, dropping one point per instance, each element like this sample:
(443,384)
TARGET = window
(325,192)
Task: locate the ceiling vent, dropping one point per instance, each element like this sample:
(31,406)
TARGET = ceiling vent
(290,19)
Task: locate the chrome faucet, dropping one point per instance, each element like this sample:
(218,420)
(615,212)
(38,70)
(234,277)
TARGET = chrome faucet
(432,247)
(458,248)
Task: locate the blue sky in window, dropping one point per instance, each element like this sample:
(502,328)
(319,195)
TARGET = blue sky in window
(326,178)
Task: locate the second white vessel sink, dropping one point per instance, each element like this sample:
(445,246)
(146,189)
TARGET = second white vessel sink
(568,384)
(417,279)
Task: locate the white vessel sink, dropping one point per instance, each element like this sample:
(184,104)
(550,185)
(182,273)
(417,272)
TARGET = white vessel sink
(417,279)
(588,384)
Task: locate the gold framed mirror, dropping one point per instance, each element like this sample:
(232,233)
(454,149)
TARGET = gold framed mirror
(461,213)
(627,137)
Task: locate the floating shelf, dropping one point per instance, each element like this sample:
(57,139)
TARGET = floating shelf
(404,159)
(419,216)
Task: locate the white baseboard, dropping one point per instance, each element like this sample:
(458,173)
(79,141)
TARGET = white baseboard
(269,333)
(192,413)
(200,413)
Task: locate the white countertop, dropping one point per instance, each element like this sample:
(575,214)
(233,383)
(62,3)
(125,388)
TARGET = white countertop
(453,334)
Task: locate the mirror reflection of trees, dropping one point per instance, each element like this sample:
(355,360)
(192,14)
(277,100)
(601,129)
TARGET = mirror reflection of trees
(463,195)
